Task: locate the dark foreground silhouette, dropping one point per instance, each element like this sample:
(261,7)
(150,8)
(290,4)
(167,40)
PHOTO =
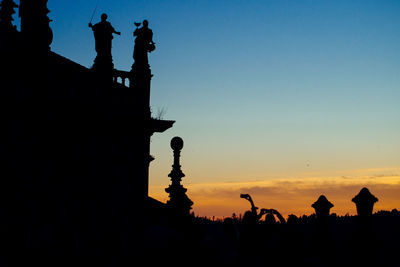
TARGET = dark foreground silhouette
(268,239)
(75,157)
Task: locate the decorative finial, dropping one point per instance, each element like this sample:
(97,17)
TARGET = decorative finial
(365,202)
(178,200)
(322,207)
(177,143)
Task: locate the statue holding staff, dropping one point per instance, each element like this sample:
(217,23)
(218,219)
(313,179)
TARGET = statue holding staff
(103,35)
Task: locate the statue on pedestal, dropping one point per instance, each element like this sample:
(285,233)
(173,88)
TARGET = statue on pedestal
(143,44)
(103,35)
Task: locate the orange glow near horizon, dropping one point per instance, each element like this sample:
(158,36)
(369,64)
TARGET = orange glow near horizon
(292,195)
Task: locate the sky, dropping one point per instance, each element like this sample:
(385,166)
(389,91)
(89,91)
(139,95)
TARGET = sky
(285,100)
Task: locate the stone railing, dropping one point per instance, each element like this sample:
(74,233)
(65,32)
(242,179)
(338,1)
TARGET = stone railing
(122,77)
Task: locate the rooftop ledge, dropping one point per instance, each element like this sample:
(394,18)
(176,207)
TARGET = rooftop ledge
(159,126)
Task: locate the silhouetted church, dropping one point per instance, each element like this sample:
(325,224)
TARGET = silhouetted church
(75,146)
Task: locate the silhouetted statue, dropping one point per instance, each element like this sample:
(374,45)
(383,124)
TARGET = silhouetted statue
(249,236)
(270,217)
(178,200)
(143,43)
(254,209)
(103,35)
(6,11)
(272,236)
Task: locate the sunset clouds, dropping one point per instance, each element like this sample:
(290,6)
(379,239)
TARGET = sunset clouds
(295,195)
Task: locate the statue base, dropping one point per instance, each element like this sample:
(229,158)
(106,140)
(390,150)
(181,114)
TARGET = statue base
(103,64)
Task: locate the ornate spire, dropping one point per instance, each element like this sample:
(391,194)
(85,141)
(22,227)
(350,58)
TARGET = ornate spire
(35,24)
(178,200)
(6,13)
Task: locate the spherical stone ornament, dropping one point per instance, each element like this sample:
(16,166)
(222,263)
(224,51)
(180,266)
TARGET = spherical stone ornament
(177,143)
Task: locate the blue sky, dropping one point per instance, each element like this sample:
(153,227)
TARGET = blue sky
(259,89)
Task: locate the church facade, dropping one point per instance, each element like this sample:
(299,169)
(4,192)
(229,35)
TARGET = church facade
(75,150)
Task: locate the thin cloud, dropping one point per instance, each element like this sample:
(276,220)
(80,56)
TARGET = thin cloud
(296,195)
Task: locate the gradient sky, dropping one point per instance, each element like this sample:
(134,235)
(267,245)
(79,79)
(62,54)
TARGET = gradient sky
(285,100)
